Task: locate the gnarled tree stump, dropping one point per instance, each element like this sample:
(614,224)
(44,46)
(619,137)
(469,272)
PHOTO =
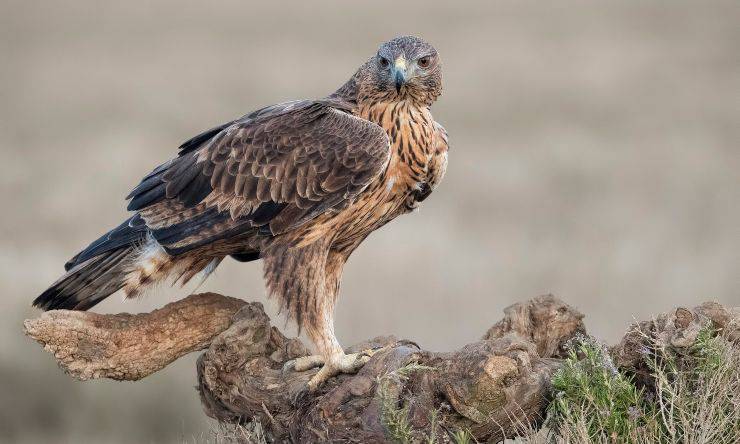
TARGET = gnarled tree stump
(491,388)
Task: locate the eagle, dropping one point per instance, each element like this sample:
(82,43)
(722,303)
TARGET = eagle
(298,185)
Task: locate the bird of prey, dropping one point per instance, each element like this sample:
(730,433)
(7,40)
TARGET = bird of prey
(299,185)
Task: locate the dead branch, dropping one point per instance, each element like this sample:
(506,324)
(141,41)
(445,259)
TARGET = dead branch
(129,347)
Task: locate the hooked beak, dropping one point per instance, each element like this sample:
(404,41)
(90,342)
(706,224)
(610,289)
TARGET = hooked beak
(399,73)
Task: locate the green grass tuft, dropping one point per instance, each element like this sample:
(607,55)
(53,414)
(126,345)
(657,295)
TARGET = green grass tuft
(589,390)
(462,436)
(696,398)
(395,417)
(697,394)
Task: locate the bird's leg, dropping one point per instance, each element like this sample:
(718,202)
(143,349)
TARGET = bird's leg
(320,329)
(331,357)
(335,361)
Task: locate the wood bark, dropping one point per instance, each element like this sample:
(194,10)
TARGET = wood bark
(492,388)
(677,330)
(128,347)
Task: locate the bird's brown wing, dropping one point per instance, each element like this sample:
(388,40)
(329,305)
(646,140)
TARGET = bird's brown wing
(271,171)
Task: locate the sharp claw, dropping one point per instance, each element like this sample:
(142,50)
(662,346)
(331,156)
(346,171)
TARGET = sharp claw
(288,366)
(370,352)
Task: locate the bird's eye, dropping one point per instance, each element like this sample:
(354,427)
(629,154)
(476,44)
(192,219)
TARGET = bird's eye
(384,62)
(424,62)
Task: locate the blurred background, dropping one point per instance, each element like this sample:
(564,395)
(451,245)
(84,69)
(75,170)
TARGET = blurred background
(595,155)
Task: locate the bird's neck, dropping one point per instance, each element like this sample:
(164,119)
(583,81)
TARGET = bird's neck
(410,128)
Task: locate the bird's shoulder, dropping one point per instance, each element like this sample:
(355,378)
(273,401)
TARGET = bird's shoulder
(314,120)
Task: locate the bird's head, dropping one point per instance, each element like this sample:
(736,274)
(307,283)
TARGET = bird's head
(405,68)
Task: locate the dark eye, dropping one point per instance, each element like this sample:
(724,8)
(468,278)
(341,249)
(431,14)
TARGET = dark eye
(424,62)
(384,62)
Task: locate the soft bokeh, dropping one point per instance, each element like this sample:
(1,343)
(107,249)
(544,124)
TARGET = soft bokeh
(595,155)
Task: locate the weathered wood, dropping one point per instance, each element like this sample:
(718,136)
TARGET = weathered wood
(676,330)
(491,387)
(546,321)
(129,347)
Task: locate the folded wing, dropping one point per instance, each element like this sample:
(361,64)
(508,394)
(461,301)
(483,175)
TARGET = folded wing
(272,171)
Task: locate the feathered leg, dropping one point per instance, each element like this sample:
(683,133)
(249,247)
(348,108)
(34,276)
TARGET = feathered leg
(321,330)
(307,282)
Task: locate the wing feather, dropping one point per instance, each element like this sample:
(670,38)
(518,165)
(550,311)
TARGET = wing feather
(272,170)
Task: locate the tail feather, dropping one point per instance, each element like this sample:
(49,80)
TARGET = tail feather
(89,282)
(127,258)
(128,233)
(97,271)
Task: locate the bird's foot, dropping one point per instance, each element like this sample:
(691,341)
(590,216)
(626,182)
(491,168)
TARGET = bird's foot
(334,365)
